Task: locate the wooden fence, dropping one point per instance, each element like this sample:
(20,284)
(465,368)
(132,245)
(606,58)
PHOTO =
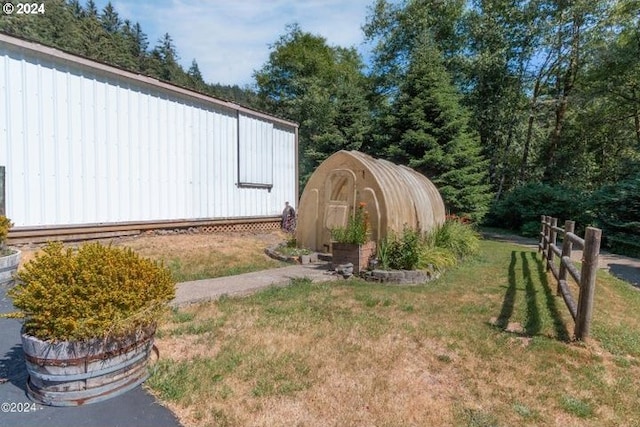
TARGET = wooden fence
(585,278)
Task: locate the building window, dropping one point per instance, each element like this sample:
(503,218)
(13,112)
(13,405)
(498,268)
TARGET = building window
(255,152)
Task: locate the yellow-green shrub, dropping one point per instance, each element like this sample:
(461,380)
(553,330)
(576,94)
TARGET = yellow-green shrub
(92,292)
(5,225)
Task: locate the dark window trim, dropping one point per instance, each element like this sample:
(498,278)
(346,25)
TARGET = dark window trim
(255,185)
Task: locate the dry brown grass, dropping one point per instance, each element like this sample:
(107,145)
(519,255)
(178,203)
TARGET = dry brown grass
(197,256)
(354,353)
(347,380)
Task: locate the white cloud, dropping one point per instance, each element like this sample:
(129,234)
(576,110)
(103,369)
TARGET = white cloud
(230,39)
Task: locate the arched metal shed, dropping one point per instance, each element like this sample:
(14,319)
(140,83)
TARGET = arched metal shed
(395,196)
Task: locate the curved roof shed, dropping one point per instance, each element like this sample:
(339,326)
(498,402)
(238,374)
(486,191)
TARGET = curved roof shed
(395,196)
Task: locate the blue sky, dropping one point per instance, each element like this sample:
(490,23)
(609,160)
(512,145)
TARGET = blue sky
(230,38)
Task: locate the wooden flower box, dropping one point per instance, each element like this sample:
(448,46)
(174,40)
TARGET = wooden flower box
(358,255)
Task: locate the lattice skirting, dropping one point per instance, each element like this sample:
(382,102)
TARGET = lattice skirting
(250,226)
(117,230)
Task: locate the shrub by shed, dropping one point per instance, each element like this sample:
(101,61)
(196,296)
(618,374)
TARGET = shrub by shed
(395,196)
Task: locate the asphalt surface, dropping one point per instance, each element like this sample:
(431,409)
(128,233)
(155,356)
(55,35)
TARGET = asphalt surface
(136,408)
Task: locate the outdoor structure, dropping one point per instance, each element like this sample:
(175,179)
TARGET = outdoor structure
(395,196)
(87,148)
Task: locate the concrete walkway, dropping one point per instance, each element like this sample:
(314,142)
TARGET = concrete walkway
(242,284)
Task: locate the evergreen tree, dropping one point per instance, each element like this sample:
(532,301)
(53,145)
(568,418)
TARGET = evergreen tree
(430,132)
(195,76)
(110,20)
(91,10)
(76,8)
(165,62)
(135,44)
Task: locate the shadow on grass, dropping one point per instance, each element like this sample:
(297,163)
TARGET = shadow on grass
(551,301)
(532,327)
(535,279)
(509,297)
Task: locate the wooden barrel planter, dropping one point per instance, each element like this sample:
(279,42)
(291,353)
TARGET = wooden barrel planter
(73,373)
(8,266)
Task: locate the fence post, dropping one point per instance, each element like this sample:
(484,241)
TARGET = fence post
(587,284)
(543,233)
(552,241)
(567,246)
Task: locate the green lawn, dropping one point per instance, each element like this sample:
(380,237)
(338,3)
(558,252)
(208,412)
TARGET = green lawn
(356,353)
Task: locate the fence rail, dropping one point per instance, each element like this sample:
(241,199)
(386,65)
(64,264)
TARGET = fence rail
(585,277)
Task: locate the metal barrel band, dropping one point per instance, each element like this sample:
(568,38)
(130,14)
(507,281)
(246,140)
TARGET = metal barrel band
(94,373)
(42,361)
(98,394)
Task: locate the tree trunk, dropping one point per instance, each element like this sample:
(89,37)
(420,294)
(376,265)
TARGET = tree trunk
(636,118)
(565,88)
(527,141)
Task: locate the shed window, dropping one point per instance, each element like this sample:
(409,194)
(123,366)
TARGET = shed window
(255,152)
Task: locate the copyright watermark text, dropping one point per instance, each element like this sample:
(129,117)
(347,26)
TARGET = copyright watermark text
(9,8)
(18,407)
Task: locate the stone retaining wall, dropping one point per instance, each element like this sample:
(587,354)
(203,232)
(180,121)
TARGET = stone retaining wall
(402,277)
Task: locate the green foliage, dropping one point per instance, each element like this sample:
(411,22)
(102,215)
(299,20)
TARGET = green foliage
(460,239)
(577,407)
(321,87)
(357,230)
(521,208)
(430,132)
(292,250)
(435,250)
(435,259)
(384,253)
(93,292)
(5,226)
(547,103)
(404,250)
(616,208)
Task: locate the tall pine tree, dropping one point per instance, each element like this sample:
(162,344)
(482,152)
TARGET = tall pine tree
(430,132)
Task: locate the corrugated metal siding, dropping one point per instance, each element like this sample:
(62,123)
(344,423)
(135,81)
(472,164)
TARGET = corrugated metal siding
(82,146)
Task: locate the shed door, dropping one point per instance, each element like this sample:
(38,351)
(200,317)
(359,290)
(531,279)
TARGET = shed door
(339,203)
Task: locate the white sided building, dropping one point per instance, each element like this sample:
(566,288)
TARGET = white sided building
(89,148)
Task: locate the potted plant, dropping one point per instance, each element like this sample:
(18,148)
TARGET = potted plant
(89,321)
(9,258)
(352,244)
